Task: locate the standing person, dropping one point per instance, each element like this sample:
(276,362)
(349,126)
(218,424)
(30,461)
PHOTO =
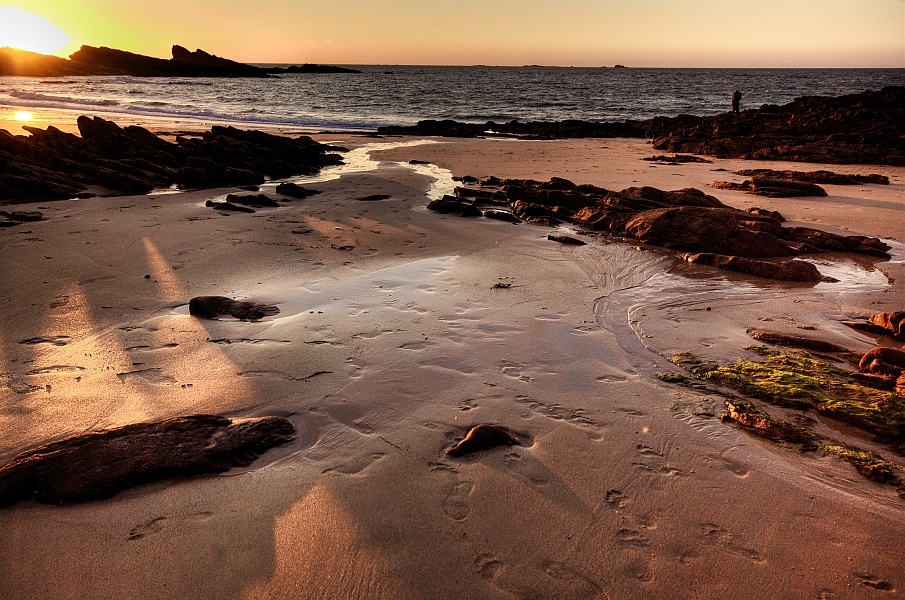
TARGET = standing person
(736,100)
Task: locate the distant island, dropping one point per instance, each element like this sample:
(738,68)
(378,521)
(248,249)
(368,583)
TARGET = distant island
(92,61)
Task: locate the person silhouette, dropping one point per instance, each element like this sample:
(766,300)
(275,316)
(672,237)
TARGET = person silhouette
(736,100)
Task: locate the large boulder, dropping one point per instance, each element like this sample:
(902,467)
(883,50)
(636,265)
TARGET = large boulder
(98,464)
(700,229)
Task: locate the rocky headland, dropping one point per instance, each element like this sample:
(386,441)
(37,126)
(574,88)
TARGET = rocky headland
(94,61)
(865,128)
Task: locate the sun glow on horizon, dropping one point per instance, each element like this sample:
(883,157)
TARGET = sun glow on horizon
(28,31)
(23,115)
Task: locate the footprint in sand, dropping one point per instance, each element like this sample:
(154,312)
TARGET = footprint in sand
(579,585)
(514,370)
(488,566)
(354,466)
(631,538)
(456,506)
(147,376)
(715,534)
(577,417)
(872,581)
(145,529)
(616,499)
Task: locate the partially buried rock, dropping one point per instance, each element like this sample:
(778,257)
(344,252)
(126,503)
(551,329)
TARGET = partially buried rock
(99,464)
(211,307)
(789,270)
(795,341)
(374,198)
(501,215)
(255,200)
(294,190)
(228,206)
(483,437)
(565,239)
(772,188)
(451,204)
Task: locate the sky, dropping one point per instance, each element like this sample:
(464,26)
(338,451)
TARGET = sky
(635,33)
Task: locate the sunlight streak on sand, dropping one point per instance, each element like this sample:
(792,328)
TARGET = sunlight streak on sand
(162,273)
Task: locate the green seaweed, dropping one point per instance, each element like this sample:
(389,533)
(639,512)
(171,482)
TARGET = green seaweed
(870,465)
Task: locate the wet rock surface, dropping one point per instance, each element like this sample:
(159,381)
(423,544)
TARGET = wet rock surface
(99,464)
(212,307)
(51,164)
(791,270)
(826,177)
(699,226)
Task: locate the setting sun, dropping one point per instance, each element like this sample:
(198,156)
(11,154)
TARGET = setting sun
(27,31)
(23,115)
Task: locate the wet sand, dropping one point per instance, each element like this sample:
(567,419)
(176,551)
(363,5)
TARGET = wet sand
(391,342)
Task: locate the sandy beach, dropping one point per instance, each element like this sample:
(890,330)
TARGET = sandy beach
(392,340)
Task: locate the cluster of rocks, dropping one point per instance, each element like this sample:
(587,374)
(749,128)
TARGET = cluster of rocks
(789,184)
(535,130)
(700,227)
(51,164)
(99,464)
(93,61)
(865,128)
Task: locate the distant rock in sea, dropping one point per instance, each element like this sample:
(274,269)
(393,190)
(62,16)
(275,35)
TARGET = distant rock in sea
(92,61)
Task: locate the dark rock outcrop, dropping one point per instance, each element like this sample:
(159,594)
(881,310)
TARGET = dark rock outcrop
(772,188)
(676,159)
(453,205)
(865,128)
(826,177)
(212,307)
(294,190)
(566,239)
(99,464)
(17,217)
(51,164)
(483,437)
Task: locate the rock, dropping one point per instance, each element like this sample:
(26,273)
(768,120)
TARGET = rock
(865,128)
(501,215)
(374,197)
(482,437)
(900,385)
(451,204)
(256,200)
(890,323)
(677,159)
(212,307)
(17,217)
(883,361)
(763,425)
(763,212)
(228,206)
(792,270)
(294,190)
(700,229)
(795,341)
(772,188)
(565,239)
(50,164)
(816,176)
(99,464)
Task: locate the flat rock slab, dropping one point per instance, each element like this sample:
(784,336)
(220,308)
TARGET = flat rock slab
(795,341)
(99,464)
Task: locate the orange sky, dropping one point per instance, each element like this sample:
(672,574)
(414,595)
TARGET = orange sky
(651,33)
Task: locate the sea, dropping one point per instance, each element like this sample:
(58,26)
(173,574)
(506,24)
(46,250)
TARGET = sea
(403,95)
